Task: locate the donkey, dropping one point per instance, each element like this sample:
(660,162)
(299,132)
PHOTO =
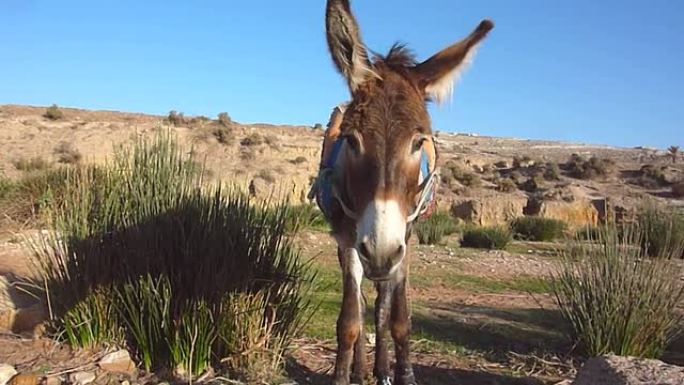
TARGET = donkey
(377,179)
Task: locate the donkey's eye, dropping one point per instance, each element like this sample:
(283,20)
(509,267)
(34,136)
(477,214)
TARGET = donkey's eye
(353,143)
(418,144)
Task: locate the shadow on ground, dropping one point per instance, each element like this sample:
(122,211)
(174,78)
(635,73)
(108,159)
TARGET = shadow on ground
(493,331)
(426,375)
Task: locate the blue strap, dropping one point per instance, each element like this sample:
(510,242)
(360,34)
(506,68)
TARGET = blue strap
(325,195)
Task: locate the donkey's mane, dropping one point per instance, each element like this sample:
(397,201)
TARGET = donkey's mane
(398,58)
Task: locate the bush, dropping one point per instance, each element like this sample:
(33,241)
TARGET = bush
(652,176)
(663,229)
(225,120)
(615,299)
(53,113)
(224,135)
(495,237)
(552,171)
(155,261)
(37,163)
(451,171)
(431,230)
(538,229)
(594,168)
(253,139)
(66,153)
(176,118)
(25,201)
(506,185)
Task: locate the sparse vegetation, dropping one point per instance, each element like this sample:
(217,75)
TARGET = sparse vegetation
(615,299)
(224,135)
(266,175)
(432,230)
(493,238)
(140,255)
(673,152)
(552,171)
(318,127)
(225,120)
(652,176)
(506,185)
(594,168)
(452,171)
(176,118)
(538,229)
(253,139)
(54,113)
(67,154)
(36,163)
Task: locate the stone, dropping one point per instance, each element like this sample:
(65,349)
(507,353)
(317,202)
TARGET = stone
(82,378)
(616,370)
(25,379)
(54,380)
(6,373)
(118,362)
(489,211)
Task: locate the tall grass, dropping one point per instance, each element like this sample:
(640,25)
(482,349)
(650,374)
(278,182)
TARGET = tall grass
(615,298)
(432,230)
(663,229)
(141,245)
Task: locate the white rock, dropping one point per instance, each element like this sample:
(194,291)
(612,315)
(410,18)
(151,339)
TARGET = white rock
(6,373)
(82,378)
(118,362)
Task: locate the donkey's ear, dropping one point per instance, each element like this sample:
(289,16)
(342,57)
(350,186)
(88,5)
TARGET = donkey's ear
(438,74)
(345,44)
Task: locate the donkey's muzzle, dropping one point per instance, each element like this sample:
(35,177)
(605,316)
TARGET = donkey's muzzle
(381,264)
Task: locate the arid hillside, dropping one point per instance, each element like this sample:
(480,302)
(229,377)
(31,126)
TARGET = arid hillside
(486,180)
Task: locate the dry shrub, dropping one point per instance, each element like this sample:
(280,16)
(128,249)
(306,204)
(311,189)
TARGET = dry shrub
(615,298)
(594,168)
(224,135)
(36,163)
(652,176)
(176,118)
(299,160)
(253,139)
(53,113)
(505,185)
(225,120)
(67,154)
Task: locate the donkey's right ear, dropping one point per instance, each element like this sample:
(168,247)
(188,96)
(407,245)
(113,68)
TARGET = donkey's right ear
(345,44)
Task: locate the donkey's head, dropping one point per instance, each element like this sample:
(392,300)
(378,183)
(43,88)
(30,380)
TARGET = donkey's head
(387,132)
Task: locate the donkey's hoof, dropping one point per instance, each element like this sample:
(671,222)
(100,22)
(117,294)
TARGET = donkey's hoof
(384,381)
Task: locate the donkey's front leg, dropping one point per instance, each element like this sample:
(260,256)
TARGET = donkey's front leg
(400,324)
(349,324)
(382,308)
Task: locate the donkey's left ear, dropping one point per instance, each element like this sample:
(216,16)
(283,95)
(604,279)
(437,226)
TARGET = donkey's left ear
(437,74)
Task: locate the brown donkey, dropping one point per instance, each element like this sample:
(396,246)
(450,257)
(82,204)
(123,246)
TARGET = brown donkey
(377,178)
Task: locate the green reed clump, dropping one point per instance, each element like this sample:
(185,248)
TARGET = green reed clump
(165,256)
(493,238)
(615,298)
(538,229)
(432,230)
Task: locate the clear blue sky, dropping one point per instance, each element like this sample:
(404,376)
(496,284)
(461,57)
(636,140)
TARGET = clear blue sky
(582,70)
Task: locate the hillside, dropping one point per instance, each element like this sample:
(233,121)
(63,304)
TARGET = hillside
(485,179)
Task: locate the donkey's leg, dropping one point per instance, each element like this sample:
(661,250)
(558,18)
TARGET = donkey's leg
(350,321)
(359,364)
(382,308)
(400,324)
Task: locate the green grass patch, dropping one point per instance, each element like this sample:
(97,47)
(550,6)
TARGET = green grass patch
(493,238)
(538,229)
(432,230)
